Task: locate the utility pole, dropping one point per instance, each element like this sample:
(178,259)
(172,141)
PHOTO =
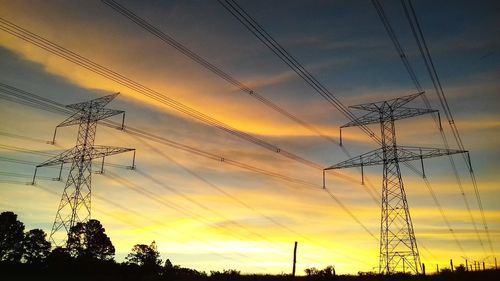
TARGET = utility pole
(451,265)
(398,245)
(75,204)
(294,257)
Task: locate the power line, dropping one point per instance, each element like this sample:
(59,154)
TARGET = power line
(257,30)
(64,53)
(145,192)
(148,218)
(46,105)
(399,49)
(420,39)
(148,92)
(200,60)
(216,70)
(254,27)
(128,210)
(227,194)
(98,69)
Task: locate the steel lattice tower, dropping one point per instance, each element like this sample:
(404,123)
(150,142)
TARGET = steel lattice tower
(398,245)
(75,204)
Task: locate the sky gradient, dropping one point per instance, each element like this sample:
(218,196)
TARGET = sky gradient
(342,43)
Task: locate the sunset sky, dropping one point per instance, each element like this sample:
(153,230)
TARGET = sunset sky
(225,217)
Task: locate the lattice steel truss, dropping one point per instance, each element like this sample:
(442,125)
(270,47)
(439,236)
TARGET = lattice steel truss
(75,204)
(398,245)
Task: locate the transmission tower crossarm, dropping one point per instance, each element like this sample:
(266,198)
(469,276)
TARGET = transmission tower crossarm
(65,157)
(374,117)
(403,154)
(387,104)
(97,103)
(82,116)
(102,151)
(98,151)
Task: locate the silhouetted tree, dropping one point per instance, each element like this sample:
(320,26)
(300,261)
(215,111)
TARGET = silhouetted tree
(328,271)
(312,271)
(145,256)
(11,237)
(89,240)
(36,248)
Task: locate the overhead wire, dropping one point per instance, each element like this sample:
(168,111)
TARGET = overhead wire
(128,210)
(429,64)
(156,197)
(73,57)
(257,30)
(47,45)
(140,190)
(46,105)
(195,151)
(143,191)
(227,194)
(58,52)
(399,49)
(213,247)
(174,206)
(216,70)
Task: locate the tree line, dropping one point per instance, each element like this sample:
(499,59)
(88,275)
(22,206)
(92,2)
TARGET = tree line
(89,255)
(88,252)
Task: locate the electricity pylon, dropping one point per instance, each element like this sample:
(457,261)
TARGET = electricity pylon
(75,204)
(398,245)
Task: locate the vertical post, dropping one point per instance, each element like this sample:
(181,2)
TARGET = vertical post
(34,176)
(54,137)
(475,266)
(60,172)
(471,267)
(294,257)
(466,265)
(451,265)
(496,263)
(324,184)
(423,268)
(437,268)
(340,136)
(484,267)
